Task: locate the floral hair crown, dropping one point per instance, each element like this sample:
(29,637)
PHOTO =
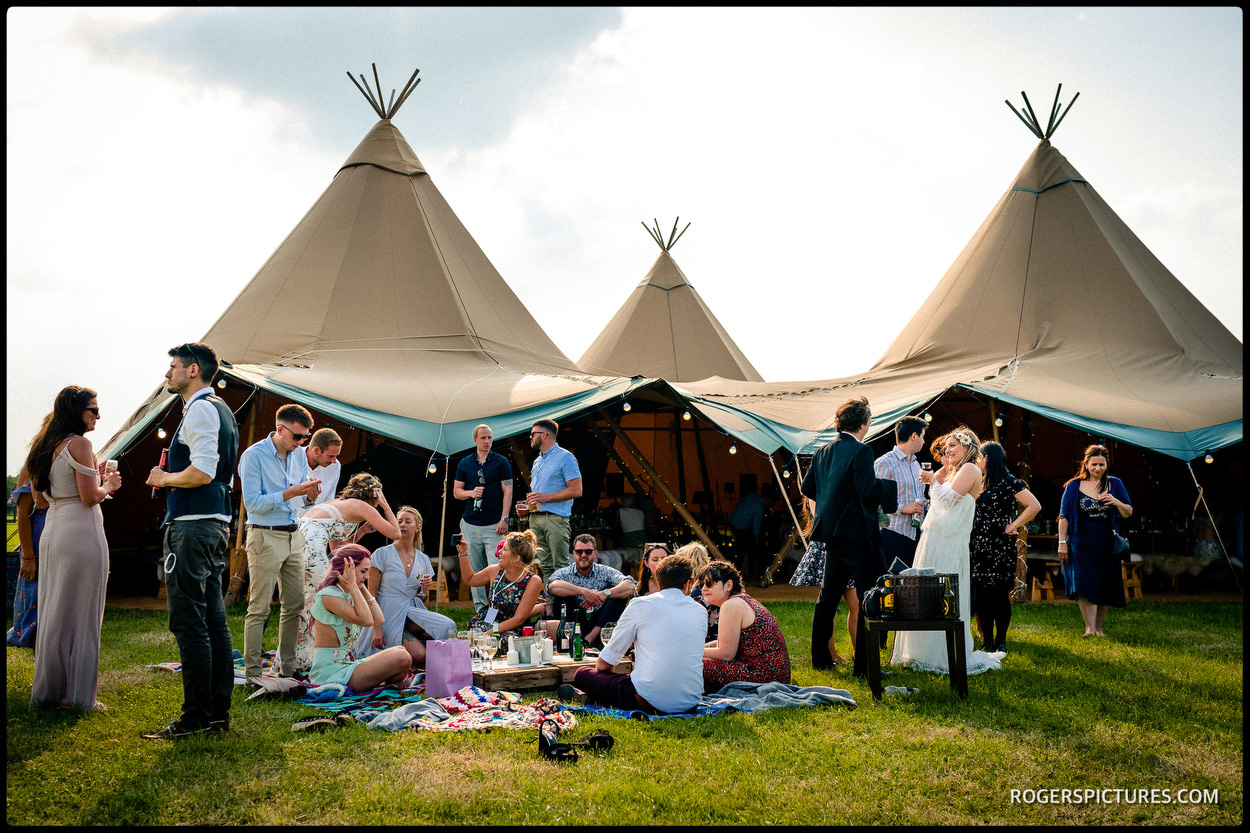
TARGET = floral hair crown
(963,438)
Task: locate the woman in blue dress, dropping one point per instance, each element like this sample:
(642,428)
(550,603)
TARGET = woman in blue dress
(1089,514)
(31,508)
(343,606)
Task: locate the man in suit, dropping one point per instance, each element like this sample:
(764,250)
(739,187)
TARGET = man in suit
(846,491)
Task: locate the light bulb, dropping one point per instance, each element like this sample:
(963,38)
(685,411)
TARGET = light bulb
(160,432)
(733,448)
(928,417)
(686,416)
(221,383)
(627,407)
(998,422)
(1209,459)
(433,468)
(785,473)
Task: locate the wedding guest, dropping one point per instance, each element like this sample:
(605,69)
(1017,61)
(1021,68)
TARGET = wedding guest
(343,604)
(750,646)
(652,555)
(994,529)
(30,508)
(1089,516)
(811,573)
(699,559)
(399,578)
(512,585)
(75,553)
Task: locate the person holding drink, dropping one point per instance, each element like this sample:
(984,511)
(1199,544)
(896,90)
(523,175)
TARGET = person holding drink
(399,578)
(484,482)
(512,586)
(555,480)
(900,536)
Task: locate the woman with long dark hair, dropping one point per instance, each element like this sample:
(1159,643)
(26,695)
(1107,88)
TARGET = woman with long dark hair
(74,553)
(994,529)
(1089,516)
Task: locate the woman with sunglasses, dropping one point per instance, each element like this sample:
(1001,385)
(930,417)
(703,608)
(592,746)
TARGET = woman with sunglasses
(75,553)
(750,646)
(332,523)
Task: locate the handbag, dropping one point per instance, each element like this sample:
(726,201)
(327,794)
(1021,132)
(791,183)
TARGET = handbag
(1120,549)
(447,667)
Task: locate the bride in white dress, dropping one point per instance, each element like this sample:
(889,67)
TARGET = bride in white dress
(944,547)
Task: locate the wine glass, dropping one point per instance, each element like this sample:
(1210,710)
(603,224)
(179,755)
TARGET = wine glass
(490,647)
(605,634)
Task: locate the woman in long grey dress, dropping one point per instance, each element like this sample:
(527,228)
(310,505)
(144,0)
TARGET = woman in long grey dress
(74,553)
(399,577)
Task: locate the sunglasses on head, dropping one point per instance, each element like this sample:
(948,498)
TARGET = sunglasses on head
(649,547)
(584,551)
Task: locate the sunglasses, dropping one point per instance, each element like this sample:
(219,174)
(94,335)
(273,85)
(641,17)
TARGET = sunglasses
(95,411)
(707,582)
(299,438)
(537,433)
(584,552)
(648,547)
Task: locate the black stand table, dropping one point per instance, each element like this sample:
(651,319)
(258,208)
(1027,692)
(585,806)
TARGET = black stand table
(956,657)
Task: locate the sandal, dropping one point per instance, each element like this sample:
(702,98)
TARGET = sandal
(315,723)
(548,745)
(599,741)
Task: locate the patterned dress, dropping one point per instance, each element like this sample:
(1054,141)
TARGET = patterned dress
(318,533)
(993,550)
(762,655)
(504,596)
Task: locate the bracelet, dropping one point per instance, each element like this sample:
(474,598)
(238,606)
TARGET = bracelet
(28,558)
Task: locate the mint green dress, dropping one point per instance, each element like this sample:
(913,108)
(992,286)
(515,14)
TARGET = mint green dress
(334,665)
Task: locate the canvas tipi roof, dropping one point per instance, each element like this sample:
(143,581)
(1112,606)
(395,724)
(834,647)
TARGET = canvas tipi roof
(380,308)
(1056,306)
(666,330)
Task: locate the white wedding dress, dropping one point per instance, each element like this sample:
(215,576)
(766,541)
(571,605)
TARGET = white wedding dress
(944,547)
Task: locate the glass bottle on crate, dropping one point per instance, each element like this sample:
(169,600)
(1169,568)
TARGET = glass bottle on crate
(579,647)
(948,600)
(562,631)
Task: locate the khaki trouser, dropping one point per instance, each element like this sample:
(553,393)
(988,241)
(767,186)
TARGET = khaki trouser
(273,557)
(552,532)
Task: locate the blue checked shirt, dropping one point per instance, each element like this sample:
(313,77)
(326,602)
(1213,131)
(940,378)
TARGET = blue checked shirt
(905,471)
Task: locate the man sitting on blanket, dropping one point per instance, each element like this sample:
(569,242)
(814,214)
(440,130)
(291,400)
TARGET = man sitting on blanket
(667,631)
(601,591)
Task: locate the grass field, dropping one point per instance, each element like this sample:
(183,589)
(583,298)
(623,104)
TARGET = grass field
(1156,706)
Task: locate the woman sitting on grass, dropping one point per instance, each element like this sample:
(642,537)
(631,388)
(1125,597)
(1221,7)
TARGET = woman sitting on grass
(699,561)
(750,646)
(512,585)
(343,605)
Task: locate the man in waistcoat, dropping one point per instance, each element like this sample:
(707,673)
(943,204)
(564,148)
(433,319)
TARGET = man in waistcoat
(201,463)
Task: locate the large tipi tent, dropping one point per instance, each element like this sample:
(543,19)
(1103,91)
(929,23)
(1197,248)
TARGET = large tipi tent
(666,330)
(380,310)
(1054,306)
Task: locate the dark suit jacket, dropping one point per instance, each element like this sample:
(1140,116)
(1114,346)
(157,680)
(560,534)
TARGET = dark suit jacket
(847,493)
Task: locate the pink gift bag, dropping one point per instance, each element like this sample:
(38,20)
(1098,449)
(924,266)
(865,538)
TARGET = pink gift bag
(447,667)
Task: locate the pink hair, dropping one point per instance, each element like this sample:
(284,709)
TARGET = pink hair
(339,559)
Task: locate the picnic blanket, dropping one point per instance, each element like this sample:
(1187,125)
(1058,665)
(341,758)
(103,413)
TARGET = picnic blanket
(739,696)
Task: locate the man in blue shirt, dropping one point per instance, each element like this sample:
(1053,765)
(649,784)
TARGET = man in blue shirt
(601,591)
(555,480)
(900,538)
(484,482)
(273,471)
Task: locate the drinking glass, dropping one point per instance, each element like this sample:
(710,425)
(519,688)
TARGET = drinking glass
(109,466)
(605,635)
(490,647)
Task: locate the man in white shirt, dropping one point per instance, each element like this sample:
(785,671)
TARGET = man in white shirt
(322,454)
(667,630)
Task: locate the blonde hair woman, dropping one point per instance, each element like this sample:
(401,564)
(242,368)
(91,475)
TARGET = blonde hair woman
(699,561)
(512,585)
(399,577)
(944,546)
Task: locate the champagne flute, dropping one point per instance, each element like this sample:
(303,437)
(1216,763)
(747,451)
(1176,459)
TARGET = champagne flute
(109,466)
(490,647)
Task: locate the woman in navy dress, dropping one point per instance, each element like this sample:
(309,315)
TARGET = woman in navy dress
(1093,504)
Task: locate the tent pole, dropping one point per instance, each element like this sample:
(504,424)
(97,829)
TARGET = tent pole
(994,421)
(798,532)
(638,485)
(238,553)
(442,528)
(681,457)
(1203,500)
(662,486)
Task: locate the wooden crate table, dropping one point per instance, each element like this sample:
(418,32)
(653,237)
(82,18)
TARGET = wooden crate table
(956,659)
(503,677)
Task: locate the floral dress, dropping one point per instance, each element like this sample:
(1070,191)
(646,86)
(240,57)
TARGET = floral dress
(334,665)
(504,596)
(993,550)
(318,533)
(762,655)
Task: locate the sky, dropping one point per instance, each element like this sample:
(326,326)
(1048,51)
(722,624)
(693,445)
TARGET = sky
(828,160)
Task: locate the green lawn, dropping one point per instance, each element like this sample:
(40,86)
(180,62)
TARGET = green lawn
(1157,706)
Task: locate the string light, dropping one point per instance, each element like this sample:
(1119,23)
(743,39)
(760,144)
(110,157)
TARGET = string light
(160,432)
(928,417)
(785,473)
(998,422)
(433,469)
(686,416)
(221,384)
(1209,459)
(733,448)
(627,407)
